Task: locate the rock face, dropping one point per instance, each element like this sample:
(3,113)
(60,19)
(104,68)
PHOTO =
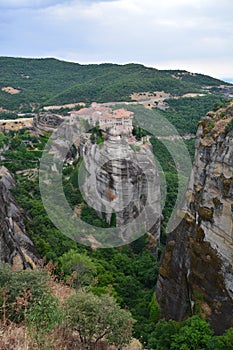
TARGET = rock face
(16,248)
(47,121)
(196,272)
(123,181)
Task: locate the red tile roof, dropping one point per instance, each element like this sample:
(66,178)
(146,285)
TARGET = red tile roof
(102,112)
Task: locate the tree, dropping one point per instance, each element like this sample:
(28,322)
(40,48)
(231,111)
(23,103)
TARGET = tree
(154,309)
(223,342)
(161,337)
(194,335)
(80,265)
(227,339)
(95,318)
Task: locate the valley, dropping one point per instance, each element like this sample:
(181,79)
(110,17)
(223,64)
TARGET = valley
(119,142)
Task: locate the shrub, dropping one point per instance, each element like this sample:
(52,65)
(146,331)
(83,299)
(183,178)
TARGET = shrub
(22,289)
(95,318)
(229,127)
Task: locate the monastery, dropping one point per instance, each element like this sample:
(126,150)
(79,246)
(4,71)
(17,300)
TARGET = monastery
(117,122)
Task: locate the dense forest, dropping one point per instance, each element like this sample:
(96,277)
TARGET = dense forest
(39,82)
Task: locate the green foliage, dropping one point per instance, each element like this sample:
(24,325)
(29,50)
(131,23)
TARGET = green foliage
(229,127)
(154,309)
(49,81)
(131,278)
(135,148)
(85,269)
(96,317)
(185,113)
(138,132)
(21,153)
(113,219)
(190,144)
(224,342)
(18,284)
(197,78)
(73,195)
(3,139)
(49,241)
(96,135)
(227,339)
(193,335)
(165,159)
(90,216)
(43,316)
(161,337)
(67,171)
(8,115)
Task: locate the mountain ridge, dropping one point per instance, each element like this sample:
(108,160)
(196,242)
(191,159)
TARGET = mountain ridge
(44,81)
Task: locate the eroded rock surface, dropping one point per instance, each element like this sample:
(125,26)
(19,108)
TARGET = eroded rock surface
(16,248)
(123,180)
(47,121)
(196,272)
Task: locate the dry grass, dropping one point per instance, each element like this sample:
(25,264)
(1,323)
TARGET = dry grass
(15,337)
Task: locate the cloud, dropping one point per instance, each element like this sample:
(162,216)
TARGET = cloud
(19,4)
(191,32)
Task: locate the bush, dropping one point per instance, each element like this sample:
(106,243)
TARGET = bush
(95,318)
(20,289)
(194,335)
(42,317)
(229,127)
(161,337)
(81,264)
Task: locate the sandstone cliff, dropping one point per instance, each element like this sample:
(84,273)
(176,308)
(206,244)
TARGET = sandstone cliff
(196,272)
(16,248)
(46,121)
(123,180)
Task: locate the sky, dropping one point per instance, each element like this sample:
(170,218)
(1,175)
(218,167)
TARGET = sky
(195,35)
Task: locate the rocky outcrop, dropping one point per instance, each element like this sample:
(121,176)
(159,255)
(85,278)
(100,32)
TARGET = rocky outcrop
(16,248)
(196,272)
(123,181)
(47,121)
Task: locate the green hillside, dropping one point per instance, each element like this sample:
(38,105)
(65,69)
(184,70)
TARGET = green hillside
(50,81)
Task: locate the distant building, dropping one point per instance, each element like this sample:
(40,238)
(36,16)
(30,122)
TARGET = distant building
(117,123)
(91,114)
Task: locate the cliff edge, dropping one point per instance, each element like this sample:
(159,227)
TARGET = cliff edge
(196,272)
(16,248)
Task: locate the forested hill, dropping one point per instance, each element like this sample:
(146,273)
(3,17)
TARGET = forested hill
(50,81)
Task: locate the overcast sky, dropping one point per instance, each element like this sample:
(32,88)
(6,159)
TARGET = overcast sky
(196,35)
